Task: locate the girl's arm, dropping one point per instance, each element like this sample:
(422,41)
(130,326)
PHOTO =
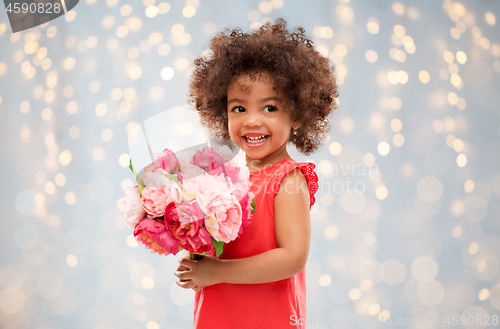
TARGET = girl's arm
(293,235)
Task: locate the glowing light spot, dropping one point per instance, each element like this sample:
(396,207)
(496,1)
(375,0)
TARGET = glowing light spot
(490,18)
(483,294)
(456,232)
(398,140)
(371,56)
(424,76)
(265,7)
(152,11)
(392,76)
(455,80)
(70,198)
(152,325)
(458,145)
(331,232)
(452,98)
(46,114)
(188,11)
(125,10)
(65,157)
(167,73)
(163,8)
(177,29)
(398,8)
(461,57)
(355,294)
(92,41)
(74,132)
(461,160)
(181,63)
(399,30)
(373,26)
(122,31)
(448,56)
(50,188)
(395,103)
(69,63)
(325,280)
(455,33)
(12,300)
(101,109)
(326,32)
(135,72)
(131,241)
(71,260)
(383,148)
(277,3)
(60,179)
(147,282)
(402,77)
(98,154)
(374,309)
(108,21)
(381,192)
(396,125)
(164,49)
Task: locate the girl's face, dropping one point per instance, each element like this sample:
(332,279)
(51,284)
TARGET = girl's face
(255,110)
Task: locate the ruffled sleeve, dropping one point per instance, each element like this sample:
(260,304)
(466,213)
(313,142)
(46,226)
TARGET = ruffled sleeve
(307,169)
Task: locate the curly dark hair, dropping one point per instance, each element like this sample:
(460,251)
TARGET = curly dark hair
(304,76)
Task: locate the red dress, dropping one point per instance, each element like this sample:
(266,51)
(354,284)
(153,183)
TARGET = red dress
(276,304)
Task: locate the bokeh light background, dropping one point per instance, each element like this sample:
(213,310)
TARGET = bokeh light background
(407,218)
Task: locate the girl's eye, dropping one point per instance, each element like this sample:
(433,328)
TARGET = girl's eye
(237,107)
(271,108)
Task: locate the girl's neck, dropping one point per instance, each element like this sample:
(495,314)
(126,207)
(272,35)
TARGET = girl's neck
(257,164)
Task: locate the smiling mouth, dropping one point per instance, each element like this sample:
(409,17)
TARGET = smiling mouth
(256,140)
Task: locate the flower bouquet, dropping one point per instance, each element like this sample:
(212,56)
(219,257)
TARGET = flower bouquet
(197,201)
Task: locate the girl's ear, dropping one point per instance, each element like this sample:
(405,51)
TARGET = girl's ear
(295,125)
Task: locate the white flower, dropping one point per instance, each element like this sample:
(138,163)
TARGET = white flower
(132,207)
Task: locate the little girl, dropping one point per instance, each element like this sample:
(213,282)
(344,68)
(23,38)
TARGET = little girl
(262,90)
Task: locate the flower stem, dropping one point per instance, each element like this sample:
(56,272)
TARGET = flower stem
(194,256)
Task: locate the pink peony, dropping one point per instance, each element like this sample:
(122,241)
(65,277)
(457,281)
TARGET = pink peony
(224,215)
(224,151)
(152,177)
(132,207)
(153,235)
(208,182)
(207,159)
(245,198)
(155,200)
(165,163)
(189,170)
(185,224)
(232,171)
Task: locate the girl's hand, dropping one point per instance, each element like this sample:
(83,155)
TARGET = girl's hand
(197,274)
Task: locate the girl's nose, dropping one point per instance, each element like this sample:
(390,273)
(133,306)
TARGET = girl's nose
(252,119)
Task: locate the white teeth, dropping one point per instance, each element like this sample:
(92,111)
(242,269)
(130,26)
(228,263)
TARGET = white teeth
(255,140)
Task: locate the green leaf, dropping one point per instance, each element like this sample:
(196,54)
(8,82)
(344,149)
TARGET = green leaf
(180,248)
(218,246)
(139,181)
(175,179)
(253,204)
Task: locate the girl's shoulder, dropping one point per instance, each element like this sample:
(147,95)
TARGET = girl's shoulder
(306,168)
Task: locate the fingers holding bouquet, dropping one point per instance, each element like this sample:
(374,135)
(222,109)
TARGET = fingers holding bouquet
(198,274)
